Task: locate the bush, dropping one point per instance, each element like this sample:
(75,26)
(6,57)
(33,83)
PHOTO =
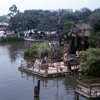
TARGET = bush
(34,37)
(3,39)
(11,38)
(90,61)
(40,50)
(33,53)
(26,52)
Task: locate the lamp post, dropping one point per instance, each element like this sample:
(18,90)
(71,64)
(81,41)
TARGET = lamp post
(80,74)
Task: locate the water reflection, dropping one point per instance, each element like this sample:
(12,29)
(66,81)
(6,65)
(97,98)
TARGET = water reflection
(14,49)
(17,85)
(58,86)
(36,98)
(64,86)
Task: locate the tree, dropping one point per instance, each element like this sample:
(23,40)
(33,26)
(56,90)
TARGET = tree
(68,25)
(94,40)
(68,18)
(13,10)
(84,14)
(94,20)
(89,61)
(3,18)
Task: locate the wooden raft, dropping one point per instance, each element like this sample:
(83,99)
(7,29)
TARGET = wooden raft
(51,69)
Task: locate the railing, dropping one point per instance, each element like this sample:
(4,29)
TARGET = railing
(92,90)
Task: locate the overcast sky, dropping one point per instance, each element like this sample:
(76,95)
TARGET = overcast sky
(47,4)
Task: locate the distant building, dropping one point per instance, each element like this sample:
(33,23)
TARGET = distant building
(58,10)
(3,26)
(69,10)
(52,10)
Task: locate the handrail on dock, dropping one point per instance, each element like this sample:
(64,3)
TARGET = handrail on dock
(87,90)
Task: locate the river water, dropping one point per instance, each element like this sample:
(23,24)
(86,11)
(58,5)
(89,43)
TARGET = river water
(15,85)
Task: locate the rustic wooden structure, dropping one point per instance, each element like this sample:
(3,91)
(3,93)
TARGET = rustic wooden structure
(76,38)
(49,69)
(90,91)
(37,89)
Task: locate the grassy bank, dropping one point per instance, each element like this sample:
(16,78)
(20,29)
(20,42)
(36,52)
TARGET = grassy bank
(11,38)
(40,50)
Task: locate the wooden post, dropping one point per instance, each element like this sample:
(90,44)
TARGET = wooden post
(74,76)
(27,64)
(46,72)
(37,89)
(79,76)
(38,84)
(57,69)
(33,66)
(77,97)
(90,91)
(39,67)
(21,63)
(69,66)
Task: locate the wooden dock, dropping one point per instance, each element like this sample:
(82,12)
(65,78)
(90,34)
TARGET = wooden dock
(53,70)
(90,91)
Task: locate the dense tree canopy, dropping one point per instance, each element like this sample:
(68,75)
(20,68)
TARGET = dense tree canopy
(44,20)
(90,61)
(13,10)
(94,20)
(3,18)
(68,25)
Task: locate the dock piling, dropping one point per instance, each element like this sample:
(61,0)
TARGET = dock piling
(38,84)
(77,97)
(37,89)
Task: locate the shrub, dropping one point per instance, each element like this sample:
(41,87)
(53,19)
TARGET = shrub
(33,53)
(14,38)
(40,50)
(26,52)
(3,39)
(90,61)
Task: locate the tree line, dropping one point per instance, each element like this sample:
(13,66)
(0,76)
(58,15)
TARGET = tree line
(44,20)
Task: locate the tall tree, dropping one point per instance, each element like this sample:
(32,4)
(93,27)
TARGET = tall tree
(13,10)
(3,18)
(94,20)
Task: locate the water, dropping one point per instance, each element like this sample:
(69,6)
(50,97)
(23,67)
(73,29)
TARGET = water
(16,85)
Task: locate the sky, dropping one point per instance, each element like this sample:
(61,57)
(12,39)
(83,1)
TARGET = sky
(23,5)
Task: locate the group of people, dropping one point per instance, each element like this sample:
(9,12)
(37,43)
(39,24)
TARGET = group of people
(52,45)
(47,59)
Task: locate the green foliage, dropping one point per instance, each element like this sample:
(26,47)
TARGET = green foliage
(26,53)
(3,39)
(94,40)
(37,50)
(11,38)
(30,53)
(90,61)
(42,49)
(3,18)
(21,34)
(68,25)
(94,20)
(14,38)
(13,10)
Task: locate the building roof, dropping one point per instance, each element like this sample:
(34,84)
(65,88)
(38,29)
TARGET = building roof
(5,24)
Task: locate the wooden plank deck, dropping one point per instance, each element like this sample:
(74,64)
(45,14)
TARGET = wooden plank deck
(91,91)
(88,92)
(51,72)
(53,69)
